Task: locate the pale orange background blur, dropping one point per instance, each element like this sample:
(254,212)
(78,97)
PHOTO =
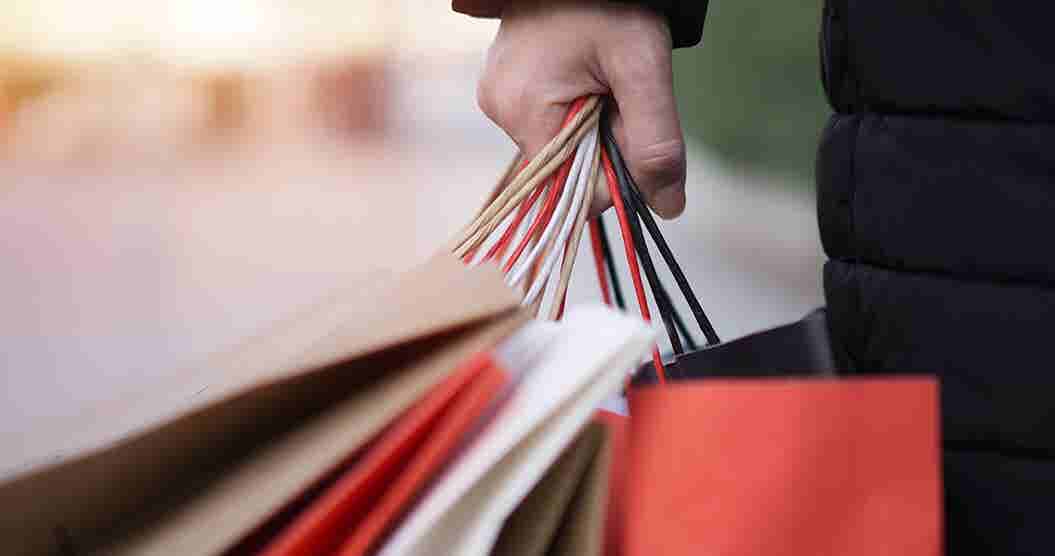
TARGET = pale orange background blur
(176,175)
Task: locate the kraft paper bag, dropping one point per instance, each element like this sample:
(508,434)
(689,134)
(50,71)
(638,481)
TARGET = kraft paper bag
(534,525)
(370,492)
(165,487)
(465,510)
(617,427)
(582,528)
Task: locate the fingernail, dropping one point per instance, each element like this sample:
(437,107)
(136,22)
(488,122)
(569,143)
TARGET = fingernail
(669,202)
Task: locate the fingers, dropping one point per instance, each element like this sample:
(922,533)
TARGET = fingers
(536,67)
(650,136)
(547,54)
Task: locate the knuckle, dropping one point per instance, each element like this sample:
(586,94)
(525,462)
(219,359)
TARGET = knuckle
(489,92)
(485,97)
(506,106)
(660,164)
(502,98)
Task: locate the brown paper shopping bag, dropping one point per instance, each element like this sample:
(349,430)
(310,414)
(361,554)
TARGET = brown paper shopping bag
(558,510)
(283,410)
(582,527)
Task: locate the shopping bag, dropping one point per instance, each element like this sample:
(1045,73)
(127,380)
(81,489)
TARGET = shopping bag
(298,399)
(557,516)
(800,348)
(582,529)
(587,361)
(617,426)
(755,447)
(552,386)
(784,466)
(353,512)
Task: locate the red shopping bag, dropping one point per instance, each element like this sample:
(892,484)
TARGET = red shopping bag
(783,466)
(754,447)
(352,514)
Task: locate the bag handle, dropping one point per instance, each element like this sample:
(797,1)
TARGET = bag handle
(632,210)
(606,271)
(666,309)
(632,197)
(517,221)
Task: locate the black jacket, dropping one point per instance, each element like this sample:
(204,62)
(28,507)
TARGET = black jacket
(936,183)
(936,203)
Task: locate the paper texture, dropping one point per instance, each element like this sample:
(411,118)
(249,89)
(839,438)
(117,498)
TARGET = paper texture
(785,466)
(359,505)
(498,494)
(534,525)
(262,388)
(618,428)
(582,529)
(587,363)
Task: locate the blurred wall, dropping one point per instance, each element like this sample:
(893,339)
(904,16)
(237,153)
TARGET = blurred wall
(752,92)
(117,79)
(142,242)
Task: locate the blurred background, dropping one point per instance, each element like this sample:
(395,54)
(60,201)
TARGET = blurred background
(176,175)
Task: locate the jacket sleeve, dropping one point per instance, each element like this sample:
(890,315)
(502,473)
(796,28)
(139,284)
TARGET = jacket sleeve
(685,17)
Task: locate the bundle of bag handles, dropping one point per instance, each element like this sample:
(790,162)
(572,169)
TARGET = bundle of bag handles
(533,221)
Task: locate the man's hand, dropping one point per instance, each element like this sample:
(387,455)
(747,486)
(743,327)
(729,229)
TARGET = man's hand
(548,53)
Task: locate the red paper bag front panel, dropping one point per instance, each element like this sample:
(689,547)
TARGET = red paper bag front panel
(794,467)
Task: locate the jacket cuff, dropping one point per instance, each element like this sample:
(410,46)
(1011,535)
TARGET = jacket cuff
(479,8)
(685,17)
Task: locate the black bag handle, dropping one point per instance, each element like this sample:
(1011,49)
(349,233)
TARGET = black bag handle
(636,209)
(617,292)
(666,309)
(609,264)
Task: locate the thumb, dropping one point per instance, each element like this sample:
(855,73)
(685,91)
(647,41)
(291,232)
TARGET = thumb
(651,139)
